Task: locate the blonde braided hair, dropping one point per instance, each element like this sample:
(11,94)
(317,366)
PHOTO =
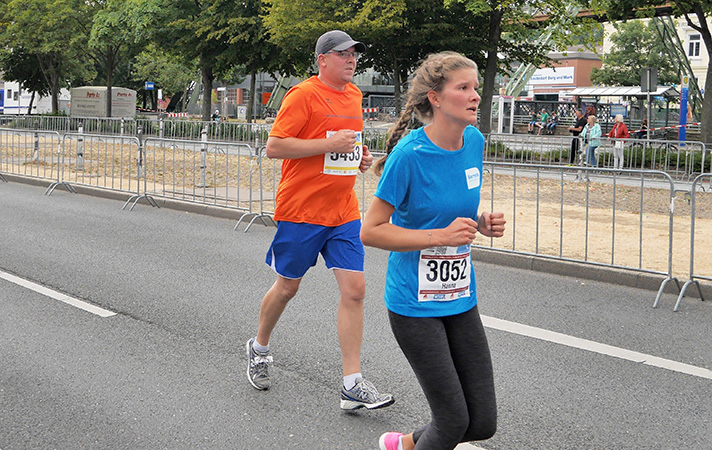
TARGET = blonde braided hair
(431,75)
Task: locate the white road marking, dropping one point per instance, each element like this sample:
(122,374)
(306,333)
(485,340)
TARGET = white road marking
(56,295)
(467,446)
(596,347)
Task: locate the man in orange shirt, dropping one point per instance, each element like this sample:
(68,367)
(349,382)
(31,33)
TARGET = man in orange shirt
(318,135)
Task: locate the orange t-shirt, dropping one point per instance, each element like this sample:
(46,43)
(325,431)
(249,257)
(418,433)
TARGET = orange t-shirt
(307,194)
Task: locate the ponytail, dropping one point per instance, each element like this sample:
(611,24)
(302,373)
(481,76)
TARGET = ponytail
(394,135)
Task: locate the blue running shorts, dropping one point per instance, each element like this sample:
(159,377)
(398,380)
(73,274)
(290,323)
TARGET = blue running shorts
(296,247)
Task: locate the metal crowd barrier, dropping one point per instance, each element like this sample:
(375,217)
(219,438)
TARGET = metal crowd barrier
(680,159)
(209,172)
(597,216)
(694,277)
(270,174)
(30,153)
(528,148)
(101,161)
(65,124)
(583,215)
(165,128)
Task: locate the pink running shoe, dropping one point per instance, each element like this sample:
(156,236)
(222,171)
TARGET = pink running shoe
(389,441)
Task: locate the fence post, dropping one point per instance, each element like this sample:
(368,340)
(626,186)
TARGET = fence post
(160,126)
(140,172)
(139,157)
(80,147)
(203,155)
(669,277)
(36,153)
(123,121)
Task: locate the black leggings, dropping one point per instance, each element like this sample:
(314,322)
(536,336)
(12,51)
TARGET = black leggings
(574,149)
(451,359)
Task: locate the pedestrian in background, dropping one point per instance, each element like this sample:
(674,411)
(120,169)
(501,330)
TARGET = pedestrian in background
(618,133)
(575,131)
(553,122)
(532,122)
(425,212)
(318,135)
(543,120)
(591,140)
(643,132)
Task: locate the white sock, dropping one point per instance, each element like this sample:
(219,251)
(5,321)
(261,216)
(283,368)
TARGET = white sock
(259,348)
(350,380)
(400,443)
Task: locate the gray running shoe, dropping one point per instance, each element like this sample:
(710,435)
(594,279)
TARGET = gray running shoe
(364,395)
(258,365)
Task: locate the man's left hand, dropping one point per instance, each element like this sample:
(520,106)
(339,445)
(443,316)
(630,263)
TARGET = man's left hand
(366,160)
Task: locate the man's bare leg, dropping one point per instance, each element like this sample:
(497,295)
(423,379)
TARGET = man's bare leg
(273,305)
(349,318)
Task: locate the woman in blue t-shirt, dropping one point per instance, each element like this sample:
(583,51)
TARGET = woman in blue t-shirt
(425,212)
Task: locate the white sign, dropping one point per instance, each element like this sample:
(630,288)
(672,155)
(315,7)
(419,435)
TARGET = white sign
(90,101)
(241,112)
(560,75)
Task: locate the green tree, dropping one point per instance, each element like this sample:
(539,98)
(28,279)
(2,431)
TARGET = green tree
(189,28)
(426,26)
(249,47)
(113,31)
(511,34)
(294,27)
(18,65)
(45,29)
(695,14)
(169,72)
(636,45)
(398,33)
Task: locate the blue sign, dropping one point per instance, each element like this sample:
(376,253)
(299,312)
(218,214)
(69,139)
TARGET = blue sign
(619,109)
(684,98)
(149,85)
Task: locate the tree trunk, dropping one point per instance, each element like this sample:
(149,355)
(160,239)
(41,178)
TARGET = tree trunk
(206,74)
(397,86)
(54,76)
(184,100)
(109,67)
(32,100)
(706,119)
(490,72)
(253,89)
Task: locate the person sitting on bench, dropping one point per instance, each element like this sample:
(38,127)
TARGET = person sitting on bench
(553,121)
(543,120)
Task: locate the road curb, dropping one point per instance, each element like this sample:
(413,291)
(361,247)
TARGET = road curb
(593,272)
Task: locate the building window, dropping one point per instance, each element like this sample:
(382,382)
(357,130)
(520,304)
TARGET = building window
(693,46)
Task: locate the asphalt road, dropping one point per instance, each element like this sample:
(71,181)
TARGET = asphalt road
(167,370)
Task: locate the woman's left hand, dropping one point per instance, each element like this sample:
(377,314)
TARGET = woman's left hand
(491,224)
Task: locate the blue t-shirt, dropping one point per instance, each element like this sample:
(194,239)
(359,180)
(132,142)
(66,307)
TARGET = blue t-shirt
(429,187)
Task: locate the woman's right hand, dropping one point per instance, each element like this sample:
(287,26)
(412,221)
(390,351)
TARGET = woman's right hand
(461,231)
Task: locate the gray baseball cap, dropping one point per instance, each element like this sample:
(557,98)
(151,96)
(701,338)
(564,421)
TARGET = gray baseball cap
(337,40)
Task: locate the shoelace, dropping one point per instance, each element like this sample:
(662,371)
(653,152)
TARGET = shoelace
(261,363)
(365,390)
